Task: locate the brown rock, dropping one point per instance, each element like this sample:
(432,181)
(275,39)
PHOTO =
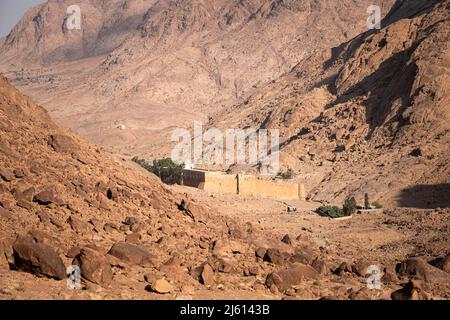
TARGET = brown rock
(73,252)
(37,258)
(285,279)
(132,254)
(361,266)
(207,275)
(274,256)
(389,275)
(286,239)
(6,204)
(442,263)
(129,221)
(48,196)
(420,269)
(94,267)
(79,226)
(343,268)
(254,270)
(225,266)
(365,294)
(413,290)
(195,211)
(19,173)
(6,174)
(134,238)
(62,143)
(260,252)
(5,214)
(161,286)
(320,266)
(110,227)
(303,255)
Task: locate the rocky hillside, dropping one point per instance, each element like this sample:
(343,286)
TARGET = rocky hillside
(65,204)
(373,117)
(135,64)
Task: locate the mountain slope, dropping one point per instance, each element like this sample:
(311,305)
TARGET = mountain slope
(375,118)
(187,58)
(62,198)
(42,38)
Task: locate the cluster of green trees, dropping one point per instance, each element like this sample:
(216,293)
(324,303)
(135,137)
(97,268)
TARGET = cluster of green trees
(166,169)
(348,208)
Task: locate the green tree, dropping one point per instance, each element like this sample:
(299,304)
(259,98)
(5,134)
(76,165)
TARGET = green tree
(350,206)
(366,201)
(166,169)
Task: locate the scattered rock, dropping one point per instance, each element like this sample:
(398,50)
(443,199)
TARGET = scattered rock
(225,266)
(195,211)
(420,269)
(389,275)
(304,255)
(129,221)
(442,263)
(274,256)
(286,239)
(361,267)
(6,174)
(161,286)
(285,279)
(79,226)
(321,266)
(260,253)
(19,173)
(207,275)
(6,214)
(48,196)
(132,254)
(413,290)
(343,268)
(133,238)
(254,270)
(37,258)
(62,143)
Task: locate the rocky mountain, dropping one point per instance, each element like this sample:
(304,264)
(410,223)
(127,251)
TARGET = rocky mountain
(65,202)
(187,58)
(65,206)
(373,117)
(42,36)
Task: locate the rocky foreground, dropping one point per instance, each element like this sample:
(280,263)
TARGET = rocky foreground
(63,202)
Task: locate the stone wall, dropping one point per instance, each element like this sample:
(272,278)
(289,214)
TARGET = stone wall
(220,183)
(252,186)
(246,185)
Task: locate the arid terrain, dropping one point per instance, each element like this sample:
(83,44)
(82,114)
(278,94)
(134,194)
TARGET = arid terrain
(359,112)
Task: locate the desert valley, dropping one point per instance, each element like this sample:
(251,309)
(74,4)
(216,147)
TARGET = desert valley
(363,121)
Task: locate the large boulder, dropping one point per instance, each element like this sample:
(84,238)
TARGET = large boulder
(62,143)
(197,212)
(207,275)
(419,268)
(285,279)
(6,174)
(413,290)
(274,256)
(442,263)
(132,254)
(48,196)
(94,267)
(37,258)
